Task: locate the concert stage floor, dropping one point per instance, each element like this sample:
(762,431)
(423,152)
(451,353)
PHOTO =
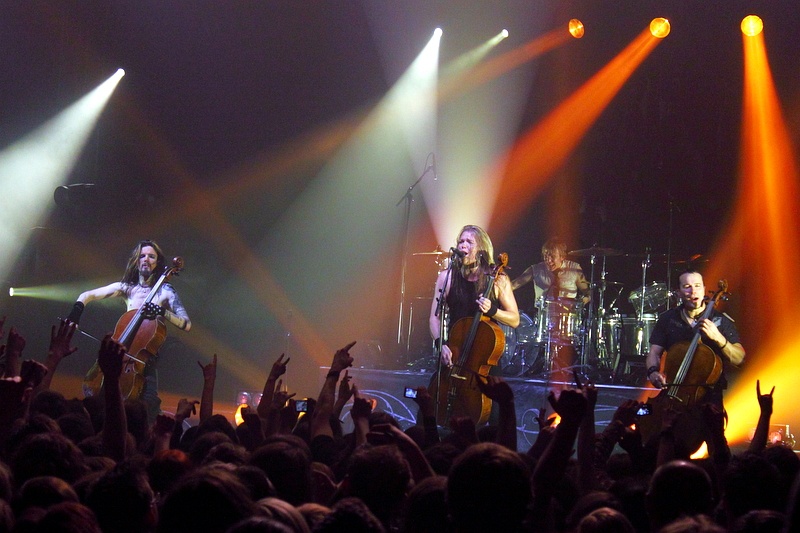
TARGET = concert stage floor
(530,395)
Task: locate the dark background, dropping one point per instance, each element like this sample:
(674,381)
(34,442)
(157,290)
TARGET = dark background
(213,86)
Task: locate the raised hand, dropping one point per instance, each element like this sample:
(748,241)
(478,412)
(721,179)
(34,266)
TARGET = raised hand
(186,408)
(626,412)
(32,372)
(280,397)
(764,400)
(209,370)
(14,346)
(425,401)
(345,389)
(570,404)
(60,340)
(110,357)
(362,407)
(16,342)
(342,358)
(495,388)
(278,368)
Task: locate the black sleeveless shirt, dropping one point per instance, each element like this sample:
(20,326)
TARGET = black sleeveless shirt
(461,299)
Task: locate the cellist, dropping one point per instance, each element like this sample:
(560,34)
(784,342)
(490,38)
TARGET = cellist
(145,265)
(473,258)
(680,324)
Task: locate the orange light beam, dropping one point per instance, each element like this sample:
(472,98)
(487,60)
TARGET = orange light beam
(463,81)
(763,225)
(543,149)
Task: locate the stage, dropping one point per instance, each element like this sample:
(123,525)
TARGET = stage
(530,395)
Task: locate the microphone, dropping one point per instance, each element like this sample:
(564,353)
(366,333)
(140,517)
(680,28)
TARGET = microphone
(457,252)
(433,167)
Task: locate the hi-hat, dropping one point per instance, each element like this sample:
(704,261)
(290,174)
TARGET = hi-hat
(594,250)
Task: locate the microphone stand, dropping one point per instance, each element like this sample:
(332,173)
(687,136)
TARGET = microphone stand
(408,197)
(441,312)
(672,208)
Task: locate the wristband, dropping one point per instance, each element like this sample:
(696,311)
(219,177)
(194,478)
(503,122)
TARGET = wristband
(438,343)
(492,310)
(724,345)
(652,369)
(333,374)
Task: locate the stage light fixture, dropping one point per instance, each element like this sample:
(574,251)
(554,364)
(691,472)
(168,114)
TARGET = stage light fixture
(504,34)
(437,32)
(659,27)
(576,28)
(248,398)
(752,25)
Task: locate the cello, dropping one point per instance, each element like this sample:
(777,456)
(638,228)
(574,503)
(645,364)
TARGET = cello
(691,369)
(477,344)
(141,336)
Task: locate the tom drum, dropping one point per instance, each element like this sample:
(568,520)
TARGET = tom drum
(559,320)
(636,335)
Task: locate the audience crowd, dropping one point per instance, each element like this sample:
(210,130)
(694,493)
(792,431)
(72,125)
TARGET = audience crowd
(96,465)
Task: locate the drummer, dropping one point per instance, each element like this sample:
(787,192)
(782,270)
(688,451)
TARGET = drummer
(556,276)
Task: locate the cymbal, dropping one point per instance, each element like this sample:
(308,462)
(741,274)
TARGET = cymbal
(644,256)
(696,258)
(594,250)
(435,252)
(608,284)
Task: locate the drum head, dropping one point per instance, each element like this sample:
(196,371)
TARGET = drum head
(526,331)
(653,297)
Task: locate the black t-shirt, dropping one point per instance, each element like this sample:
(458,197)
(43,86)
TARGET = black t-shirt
(671,329)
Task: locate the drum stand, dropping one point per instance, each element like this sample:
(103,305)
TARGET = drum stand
(641,342)
(593,336)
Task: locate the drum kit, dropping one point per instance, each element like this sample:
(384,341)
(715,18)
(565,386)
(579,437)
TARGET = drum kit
(604,342)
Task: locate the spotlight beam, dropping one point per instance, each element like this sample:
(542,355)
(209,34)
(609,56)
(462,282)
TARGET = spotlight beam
(767,199)
(544,149)
(33,166)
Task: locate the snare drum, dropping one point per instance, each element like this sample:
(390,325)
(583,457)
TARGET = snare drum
(559,320)
(632,343)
